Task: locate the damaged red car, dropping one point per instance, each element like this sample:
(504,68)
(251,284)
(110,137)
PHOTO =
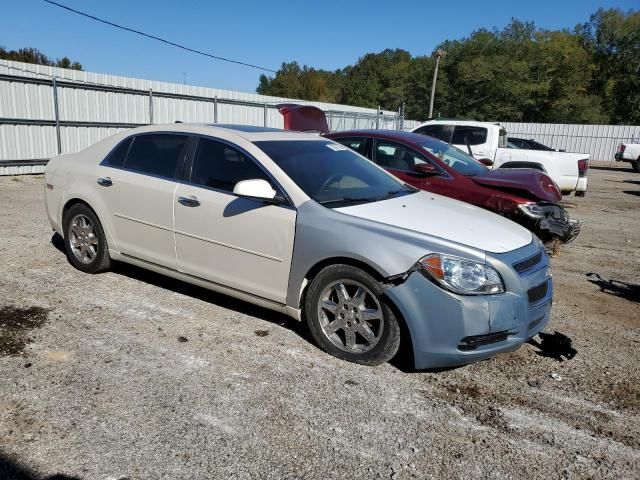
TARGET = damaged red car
(527,196)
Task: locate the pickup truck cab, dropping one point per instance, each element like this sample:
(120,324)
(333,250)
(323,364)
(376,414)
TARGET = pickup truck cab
(488,143)
(629,152)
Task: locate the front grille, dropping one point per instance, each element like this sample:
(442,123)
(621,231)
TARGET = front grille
(538,293)
(528,263)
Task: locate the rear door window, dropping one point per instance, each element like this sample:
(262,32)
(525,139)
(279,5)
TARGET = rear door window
(156,154)
(220,166)
(474,135)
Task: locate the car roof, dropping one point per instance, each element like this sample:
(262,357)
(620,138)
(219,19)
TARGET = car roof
(248,132)
(397,135)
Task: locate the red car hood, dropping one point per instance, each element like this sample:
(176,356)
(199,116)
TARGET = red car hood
(524,180)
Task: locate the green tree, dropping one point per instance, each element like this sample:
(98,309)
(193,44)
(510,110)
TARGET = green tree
(33,55)
(613,39)
(518,73)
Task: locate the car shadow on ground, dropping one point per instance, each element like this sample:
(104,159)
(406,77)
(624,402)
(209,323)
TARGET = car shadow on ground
(629,291)
(632,192)
(203,294)
(12,470)
(612,169)
(635,182)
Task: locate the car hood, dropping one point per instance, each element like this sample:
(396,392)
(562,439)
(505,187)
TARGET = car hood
(538,184)
(446,218)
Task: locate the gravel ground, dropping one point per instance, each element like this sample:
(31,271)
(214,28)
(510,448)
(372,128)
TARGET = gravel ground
(132,375)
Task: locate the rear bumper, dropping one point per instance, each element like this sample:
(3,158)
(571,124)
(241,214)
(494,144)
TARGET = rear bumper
(582,185)
(448,329)
(624,157)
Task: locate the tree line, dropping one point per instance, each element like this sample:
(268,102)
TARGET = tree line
(589,74)
(33,55)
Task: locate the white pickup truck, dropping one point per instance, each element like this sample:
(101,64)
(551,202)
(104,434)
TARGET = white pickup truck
(629,152)
(488,143)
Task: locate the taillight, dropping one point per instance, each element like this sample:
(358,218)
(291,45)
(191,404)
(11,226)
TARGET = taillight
(622,147)
(583,166)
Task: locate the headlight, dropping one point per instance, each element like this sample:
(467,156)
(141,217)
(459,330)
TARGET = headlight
(462,276)
(533,210)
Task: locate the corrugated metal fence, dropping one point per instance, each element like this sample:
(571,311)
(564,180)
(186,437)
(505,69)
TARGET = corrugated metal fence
(601,141)
(47,110)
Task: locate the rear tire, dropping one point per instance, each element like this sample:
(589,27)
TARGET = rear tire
(84,240)
(636,165)
(348,318)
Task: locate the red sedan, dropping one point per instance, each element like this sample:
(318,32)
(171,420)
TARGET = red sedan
(527,196)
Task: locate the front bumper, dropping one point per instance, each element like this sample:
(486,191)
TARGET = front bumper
(552,222)
(448,329)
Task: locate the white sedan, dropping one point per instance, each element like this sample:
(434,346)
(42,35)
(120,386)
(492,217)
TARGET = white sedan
(300,224)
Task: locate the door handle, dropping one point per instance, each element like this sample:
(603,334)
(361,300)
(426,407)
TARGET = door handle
(190,201)
(105,181)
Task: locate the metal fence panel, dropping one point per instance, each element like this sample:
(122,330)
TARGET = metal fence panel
(92,106)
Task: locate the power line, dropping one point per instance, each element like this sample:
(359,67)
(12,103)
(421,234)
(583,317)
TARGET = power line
(199,52)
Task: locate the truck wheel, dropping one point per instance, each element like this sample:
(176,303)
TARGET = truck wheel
(348,318)
(84,240)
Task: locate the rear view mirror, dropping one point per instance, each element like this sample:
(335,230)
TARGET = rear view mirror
(255,189)
(486,161)
(426,168)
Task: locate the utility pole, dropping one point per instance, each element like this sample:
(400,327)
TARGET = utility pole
(439,54)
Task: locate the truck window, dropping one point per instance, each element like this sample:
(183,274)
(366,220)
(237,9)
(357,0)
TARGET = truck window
(439,131)
(474,135)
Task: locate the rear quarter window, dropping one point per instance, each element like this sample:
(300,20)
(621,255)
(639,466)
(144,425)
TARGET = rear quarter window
(118,155)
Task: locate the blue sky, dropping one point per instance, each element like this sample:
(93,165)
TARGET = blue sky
(327,34)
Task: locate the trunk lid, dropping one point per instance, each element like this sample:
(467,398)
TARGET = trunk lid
(303,118)
(538,184)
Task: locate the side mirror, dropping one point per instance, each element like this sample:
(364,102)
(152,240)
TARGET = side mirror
(486,161)
(256,189)
(426,168)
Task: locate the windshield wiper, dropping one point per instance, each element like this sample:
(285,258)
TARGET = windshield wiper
(391,194)
(347,200)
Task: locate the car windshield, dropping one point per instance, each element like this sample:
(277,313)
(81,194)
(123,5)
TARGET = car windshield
(454,158)
(332,174)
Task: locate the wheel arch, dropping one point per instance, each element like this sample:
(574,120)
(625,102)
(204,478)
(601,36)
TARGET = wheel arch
(521,164)
(77,199)
(405,353)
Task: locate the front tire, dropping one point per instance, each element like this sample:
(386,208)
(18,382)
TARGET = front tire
(348,318)
(84,240)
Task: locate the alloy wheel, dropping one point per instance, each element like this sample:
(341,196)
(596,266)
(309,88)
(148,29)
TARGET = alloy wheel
(83,239)
(350,316)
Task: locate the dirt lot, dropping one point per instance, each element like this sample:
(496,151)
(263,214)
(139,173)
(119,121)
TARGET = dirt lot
(131,375)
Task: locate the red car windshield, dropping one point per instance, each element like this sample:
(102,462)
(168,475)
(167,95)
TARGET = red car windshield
(454,158)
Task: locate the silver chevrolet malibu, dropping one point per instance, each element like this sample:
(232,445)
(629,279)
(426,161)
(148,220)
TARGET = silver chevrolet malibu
(300,224)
